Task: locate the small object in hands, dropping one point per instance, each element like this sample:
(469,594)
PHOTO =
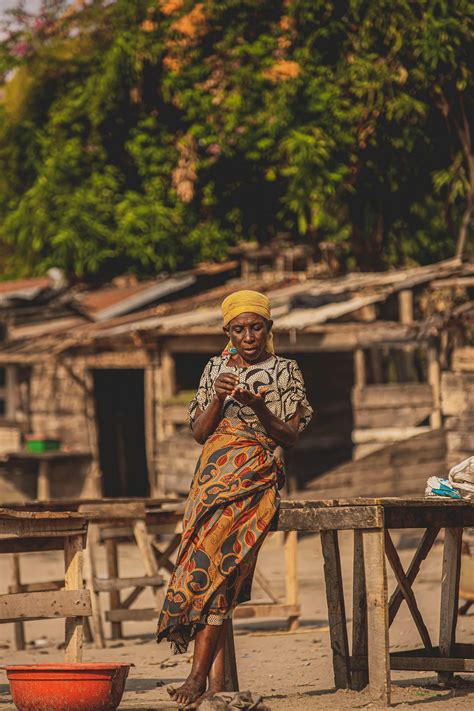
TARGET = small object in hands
(435,486)
(67,687)
(42,443)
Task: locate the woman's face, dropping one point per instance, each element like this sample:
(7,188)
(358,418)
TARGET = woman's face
(248,334)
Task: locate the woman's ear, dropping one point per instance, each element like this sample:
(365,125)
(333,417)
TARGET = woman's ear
(226,331)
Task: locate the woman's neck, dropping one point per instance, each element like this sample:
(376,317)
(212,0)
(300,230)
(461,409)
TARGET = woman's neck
(239,361)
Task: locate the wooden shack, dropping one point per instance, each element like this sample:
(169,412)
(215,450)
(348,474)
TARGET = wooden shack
(378,373)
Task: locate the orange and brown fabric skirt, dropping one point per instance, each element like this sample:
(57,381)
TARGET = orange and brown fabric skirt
(230,508)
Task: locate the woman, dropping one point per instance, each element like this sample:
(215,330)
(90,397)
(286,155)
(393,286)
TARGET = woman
(249,401)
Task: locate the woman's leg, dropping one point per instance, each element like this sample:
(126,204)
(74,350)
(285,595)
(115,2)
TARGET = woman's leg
(216,675)
(195,684)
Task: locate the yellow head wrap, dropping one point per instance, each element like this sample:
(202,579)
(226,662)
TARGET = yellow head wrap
(247,301)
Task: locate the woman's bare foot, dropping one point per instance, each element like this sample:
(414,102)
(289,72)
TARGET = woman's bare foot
(190,691)
(207,695)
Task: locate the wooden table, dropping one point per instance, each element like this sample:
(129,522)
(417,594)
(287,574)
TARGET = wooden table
(25,531)
(44,460)
(373,611)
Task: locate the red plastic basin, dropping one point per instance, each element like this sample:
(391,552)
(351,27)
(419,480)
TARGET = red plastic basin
(67,687)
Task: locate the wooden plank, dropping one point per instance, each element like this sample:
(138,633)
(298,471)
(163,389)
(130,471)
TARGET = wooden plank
(45,605)
(104,511)
(426,517)
(406,590)
(359,368)
(108,584)
(422,551)
(377,616)
(16,587)
(145,548)
(31,545)
(449,594)
(463,358)
(386,435)
(405,306)
(111,557)
(336,609)
(291,574)
(242,612)
(73,581)
(392,395)
(90,573)
(338,518)
(37,587)
(457,393)
(407,663)
(231,678)
(384,417)
(434,379)
(360,677)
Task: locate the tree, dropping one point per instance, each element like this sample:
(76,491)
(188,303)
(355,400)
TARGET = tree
(151,135)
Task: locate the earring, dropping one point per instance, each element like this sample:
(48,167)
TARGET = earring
(232,350)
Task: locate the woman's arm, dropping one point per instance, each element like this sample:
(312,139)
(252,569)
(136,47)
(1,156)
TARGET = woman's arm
(284,433)
(205,422)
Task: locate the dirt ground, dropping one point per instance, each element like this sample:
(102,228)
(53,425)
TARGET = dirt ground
(291,670)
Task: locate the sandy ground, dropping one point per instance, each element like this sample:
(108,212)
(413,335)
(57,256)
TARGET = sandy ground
(291,670)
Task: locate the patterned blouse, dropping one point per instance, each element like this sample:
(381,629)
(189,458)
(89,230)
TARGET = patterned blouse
(282,378)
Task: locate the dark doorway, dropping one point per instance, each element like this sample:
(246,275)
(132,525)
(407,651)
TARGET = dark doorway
(120,412)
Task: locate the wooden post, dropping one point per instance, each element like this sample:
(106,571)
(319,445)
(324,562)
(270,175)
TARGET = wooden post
(15,587)
(376,365)
(434,379)
(449,595)
(150,425)
(359,368)
(73,580)
(113,572)
(90,573)
(43,487)
(145,548)
(405,306)
(360,678)
(377,616)
(168,369)
(231,679)
(336,609)
(291,574)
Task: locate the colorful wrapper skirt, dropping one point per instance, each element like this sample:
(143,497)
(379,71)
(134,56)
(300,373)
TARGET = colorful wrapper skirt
(230,508)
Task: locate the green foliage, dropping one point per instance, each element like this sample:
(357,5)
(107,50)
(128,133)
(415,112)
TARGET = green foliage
(152,134)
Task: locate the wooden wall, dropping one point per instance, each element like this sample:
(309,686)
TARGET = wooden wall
(397,470)
(457,404)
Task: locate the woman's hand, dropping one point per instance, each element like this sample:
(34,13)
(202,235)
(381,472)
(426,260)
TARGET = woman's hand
(246,397)
(224,385)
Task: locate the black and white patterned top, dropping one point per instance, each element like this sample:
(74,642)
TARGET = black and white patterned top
(281,376)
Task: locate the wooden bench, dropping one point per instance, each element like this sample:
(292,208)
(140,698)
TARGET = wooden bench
(373,611)
(27,531)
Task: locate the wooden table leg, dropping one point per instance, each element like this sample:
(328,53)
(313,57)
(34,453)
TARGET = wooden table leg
(113,572)
(15,587)
(73,580)
(336,609)
(449,595)
(145,548)
(231,679)
(360,677)
(90,573)
(377,615)
(291,574)
(43,489)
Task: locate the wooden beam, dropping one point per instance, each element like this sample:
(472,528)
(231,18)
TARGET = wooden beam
(45,605)
(377,617)
(449,594)
(74,581)
(434,378)
(406,590)
(360,678)
(16,587)
(360,377)
(405,306)
(422,551)
(111,557)
(242,612)
(108,584)
(318,519)
(407,663)
(291,574)
(336,609)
